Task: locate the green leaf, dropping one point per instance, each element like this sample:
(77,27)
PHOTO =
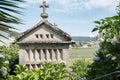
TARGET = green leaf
(97,22)
(95,29)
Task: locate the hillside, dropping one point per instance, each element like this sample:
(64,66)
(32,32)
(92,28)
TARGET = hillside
(14,33)
(84,39)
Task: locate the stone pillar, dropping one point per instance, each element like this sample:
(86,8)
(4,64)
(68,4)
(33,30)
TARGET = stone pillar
(66,56)
(37,55)
(42,55)
(27,56)
(33,51)
(48,55)
(58,55)
(31,56)
(61,54)
(36,66)
(45,54)
(53,55)
(30,67)
(22,57)
(55,52)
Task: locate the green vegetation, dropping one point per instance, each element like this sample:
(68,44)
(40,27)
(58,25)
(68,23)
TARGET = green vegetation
(14,34)
(109,27)
(107,59)
(80,68)
(48,71)
(7,9)
(11,55)
(82,52)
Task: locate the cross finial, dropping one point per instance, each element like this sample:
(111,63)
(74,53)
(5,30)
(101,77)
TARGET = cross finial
(44,15)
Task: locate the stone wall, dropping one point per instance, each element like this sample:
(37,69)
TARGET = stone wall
(33,54)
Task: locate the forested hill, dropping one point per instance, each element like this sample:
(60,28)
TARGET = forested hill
(14,33)
(84,39)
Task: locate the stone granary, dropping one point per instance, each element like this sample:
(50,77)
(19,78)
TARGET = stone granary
(43,42)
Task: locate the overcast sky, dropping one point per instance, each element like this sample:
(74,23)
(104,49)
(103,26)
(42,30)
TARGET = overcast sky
(76,17)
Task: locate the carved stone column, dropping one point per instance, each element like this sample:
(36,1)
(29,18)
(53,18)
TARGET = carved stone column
(53,55)
(22,56)
(48,55)
(58,55)
(31,56)
(30,67)
(61,54)
(42,55)
(37,55)
(27,56)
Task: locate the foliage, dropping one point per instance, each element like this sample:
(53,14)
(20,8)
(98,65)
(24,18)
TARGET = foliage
(107,58)
(10,51)
(82,52)
(109,27)
(79,68)
(77,45)
(3,68)
(11,54)
(8,9)
(14,34)
(48,71)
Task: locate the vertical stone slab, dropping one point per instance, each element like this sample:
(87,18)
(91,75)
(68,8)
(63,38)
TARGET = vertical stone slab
(42,55)
(31,56)
(66,56)
(37,55)
(31,67)
(33,51)
(22,57)
(27,56)
(55,52)
(53,55)
(48,55)
(36,66)
(58,55)
(45,54)
(61,54)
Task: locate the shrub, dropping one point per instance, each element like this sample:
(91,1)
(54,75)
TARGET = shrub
(11,54)
(79,68)
(48,71)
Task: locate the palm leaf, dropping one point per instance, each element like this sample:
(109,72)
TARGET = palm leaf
(95,29)
(6,8)
(4,24)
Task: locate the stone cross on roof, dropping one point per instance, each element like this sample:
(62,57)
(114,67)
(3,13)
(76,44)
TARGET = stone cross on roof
(44,15)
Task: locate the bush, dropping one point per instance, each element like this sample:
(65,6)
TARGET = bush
(11,55)
(109,61)
(48,71)
(79,68)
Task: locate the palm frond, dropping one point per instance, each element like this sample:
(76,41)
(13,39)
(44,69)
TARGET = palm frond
(6,25)
(6,8)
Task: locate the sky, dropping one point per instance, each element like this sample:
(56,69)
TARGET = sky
(76,17)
